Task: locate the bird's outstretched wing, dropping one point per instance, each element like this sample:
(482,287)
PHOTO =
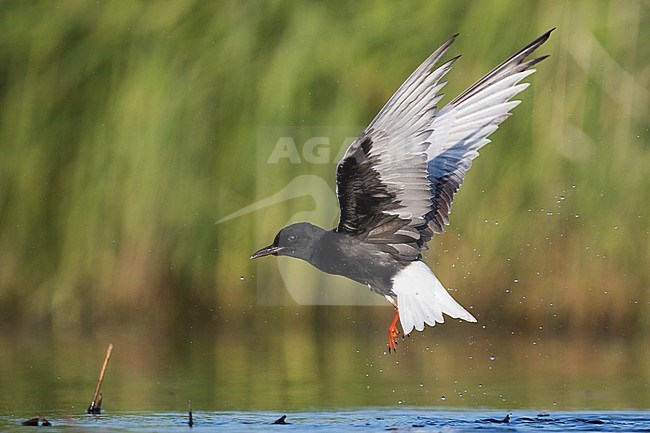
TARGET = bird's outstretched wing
(397,180)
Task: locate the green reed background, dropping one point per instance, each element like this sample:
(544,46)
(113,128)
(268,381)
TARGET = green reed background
(127,129)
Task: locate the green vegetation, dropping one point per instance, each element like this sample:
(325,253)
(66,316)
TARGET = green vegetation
(127,129)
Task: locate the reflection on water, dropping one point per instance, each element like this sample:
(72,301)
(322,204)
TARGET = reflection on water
(286,360)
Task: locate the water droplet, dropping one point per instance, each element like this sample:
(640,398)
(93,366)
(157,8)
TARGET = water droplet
(492,357)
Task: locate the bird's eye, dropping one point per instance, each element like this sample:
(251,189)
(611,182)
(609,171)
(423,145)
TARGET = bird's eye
(291,238)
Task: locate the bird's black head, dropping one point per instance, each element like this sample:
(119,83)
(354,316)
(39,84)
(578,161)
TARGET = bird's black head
(297,240)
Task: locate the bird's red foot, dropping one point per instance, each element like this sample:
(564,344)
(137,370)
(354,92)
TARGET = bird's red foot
(393,332)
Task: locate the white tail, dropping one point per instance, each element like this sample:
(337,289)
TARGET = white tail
(422,299)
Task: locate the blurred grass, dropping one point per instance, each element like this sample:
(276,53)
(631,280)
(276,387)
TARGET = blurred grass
(128,128)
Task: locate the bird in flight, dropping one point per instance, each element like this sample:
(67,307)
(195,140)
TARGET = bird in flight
(396,182)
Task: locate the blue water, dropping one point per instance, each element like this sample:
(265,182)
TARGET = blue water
(362,420)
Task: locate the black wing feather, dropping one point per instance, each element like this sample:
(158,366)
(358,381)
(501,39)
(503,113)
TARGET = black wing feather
(365,200)
(397,180)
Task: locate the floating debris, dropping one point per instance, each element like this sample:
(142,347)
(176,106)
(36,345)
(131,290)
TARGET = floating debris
(591,421)
(38,421)
(505,420)
(541,418)
(281,420)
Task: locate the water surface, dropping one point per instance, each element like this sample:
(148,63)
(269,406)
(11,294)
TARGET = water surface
(360,420)
(243,376)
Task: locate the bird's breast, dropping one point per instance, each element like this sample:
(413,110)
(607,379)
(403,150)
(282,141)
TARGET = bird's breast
(360,262)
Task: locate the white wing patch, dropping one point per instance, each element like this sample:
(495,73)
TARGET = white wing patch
(464,128)
(422,299)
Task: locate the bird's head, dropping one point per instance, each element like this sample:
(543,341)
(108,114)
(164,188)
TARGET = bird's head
(296,240)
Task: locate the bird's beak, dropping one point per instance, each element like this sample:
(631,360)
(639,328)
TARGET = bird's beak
(266,251)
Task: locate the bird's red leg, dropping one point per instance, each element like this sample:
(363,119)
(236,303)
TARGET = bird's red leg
(393,332)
